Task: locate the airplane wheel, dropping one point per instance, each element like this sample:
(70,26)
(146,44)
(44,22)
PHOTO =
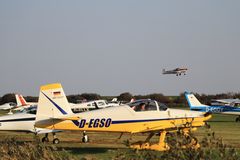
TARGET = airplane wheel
(56,141)
(85,139)
(45,139)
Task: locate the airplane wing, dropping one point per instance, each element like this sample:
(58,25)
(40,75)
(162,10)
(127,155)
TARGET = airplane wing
(44,131)
(171,125)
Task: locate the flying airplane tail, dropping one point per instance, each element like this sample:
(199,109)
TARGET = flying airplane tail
(193,102)
(52,103)
(20,100)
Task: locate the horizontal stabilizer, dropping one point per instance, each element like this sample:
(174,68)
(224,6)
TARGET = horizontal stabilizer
(68,117)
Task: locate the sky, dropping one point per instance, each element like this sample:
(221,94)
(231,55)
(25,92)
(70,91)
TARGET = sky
(110,47)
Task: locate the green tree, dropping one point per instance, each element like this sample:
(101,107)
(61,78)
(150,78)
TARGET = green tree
(126,96)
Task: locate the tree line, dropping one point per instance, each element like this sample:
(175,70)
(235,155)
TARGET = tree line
(126,97)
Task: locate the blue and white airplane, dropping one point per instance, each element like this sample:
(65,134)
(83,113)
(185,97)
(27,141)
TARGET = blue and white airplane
(195,105)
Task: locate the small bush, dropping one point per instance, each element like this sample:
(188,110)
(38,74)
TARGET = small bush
(212,148)
(11,149)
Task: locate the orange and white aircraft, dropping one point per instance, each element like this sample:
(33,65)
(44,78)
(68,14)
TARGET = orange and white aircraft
(54,112)
(22,103)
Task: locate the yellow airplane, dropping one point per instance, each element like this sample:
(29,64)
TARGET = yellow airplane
(144,116)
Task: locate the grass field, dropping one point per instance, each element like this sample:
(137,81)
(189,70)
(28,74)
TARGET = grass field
(107,145)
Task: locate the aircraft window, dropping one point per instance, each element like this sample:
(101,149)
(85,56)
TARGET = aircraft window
(151,106)
(162,107)
(236,105)
(143,106)
(106,102)
(134,105)
(100,103)
(89,105)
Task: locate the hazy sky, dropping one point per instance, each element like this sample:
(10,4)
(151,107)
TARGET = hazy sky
(110,47)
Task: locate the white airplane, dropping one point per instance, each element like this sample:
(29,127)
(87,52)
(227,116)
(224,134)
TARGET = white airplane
(24,122)
(225,102)
(194,104)
(21,104)
(91,105)
(7,106)
(54,112)
(177,71)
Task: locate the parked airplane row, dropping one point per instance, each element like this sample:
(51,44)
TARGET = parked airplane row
(22,104)
(55,114)
(25,120)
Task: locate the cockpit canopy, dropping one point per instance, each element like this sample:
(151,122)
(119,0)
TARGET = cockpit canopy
(147,105)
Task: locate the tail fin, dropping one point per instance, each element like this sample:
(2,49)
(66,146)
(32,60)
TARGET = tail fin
(193,102)
(132,100)
(52,103)
(114,100)
(20,100)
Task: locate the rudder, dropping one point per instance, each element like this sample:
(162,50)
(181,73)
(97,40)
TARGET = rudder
(52,102)
(193,102)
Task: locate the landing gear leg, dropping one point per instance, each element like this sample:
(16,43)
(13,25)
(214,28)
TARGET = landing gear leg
(238,119)
(192,141)
(120,136)
(160,146)
(45,139)
(10,112)
(55,139)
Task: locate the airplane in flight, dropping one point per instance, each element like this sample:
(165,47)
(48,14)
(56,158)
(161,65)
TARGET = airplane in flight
(54,112)
(195,105)
(24,122)
(177,71)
